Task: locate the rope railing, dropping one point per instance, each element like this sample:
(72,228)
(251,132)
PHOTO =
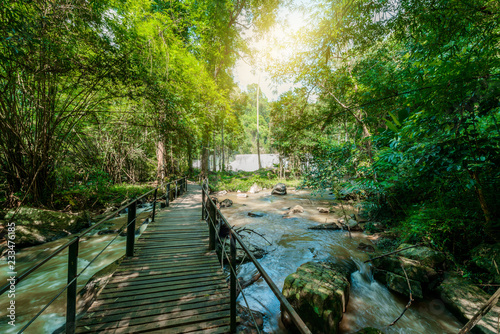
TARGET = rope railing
(216,221)
(179,187)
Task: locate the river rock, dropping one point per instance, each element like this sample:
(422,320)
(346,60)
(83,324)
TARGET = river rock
(424,255)
(222,193)
(256,214)
(414,269)
(323,210)
(241,256)
(296,209)
(255,189)
(37,226)
(399,284)
(488,257)
(354,226)
(319,292)
(242,195)
(328,226)
(226,203)
(279,189)
(464,299)
(246,324)
(365,247)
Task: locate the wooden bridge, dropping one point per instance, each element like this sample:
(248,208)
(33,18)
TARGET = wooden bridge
(171,280)
(172,284)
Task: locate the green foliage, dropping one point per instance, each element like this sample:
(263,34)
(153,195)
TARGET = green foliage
(449,229)
(242,181)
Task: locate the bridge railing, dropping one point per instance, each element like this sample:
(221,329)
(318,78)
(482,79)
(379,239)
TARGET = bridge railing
(218,225)
(173,190)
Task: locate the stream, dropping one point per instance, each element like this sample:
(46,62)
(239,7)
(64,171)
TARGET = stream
(292,244)
(42,285)
(370,304)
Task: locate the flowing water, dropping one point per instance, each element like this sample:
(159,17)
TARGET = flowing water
(292,244)
(42,285)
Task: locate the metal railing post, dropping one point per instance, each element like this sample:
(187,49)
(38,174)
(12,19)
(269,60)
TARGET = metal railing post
(131,229)
(175,194)
(71,292)
(233,283)
(168,195)
(185,184)
(203,201)
(154,206)
(211,224)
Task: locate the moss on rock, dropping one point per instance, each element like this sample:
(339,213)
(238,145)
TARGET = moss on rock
(319,292)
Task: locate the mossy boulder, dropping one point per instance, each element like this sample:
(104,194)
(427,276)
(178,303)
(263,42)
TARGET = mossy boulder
(37,226)
(414,269)
(487,257)
(424,255)
(464,299)
(399,284)
(319,292)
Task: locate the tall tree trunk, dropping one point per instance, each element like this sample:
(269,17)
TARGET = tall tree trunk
(215,151)
(204,155)
(160,157)
(222,149)
(482,201)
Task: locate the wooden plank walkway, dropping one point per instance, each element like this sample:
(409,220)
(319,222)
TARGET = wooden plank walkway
(171,285)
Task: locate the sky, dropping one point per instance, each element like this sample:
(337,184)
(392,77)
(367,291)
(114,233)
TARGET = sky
(245,75)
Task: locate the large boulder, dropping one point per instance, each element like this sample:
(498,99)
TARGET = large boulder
(488,257)
(399,284)
(424,255)
(464,299)
(279,189)
(319,292)
(414,269)
(226,203)
(37,226)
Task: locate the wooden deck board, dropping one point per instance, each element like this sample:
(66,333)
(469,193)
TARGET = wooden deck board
(172,284)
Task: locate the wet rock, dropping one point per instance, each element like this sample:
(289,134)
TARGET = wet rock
(241,256)
(351,225)
(226,203)
(246,324)
(319,292)
(37,226)
(279,189)
(424,255)
(256,214)
(414,269)
(365,247)
(369,330)
(242,195)
(360,219)
(399,284)
(296,209)
(487,257)
(328,226)
(222,193)
(464,299)
(323,210)
(254,189)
